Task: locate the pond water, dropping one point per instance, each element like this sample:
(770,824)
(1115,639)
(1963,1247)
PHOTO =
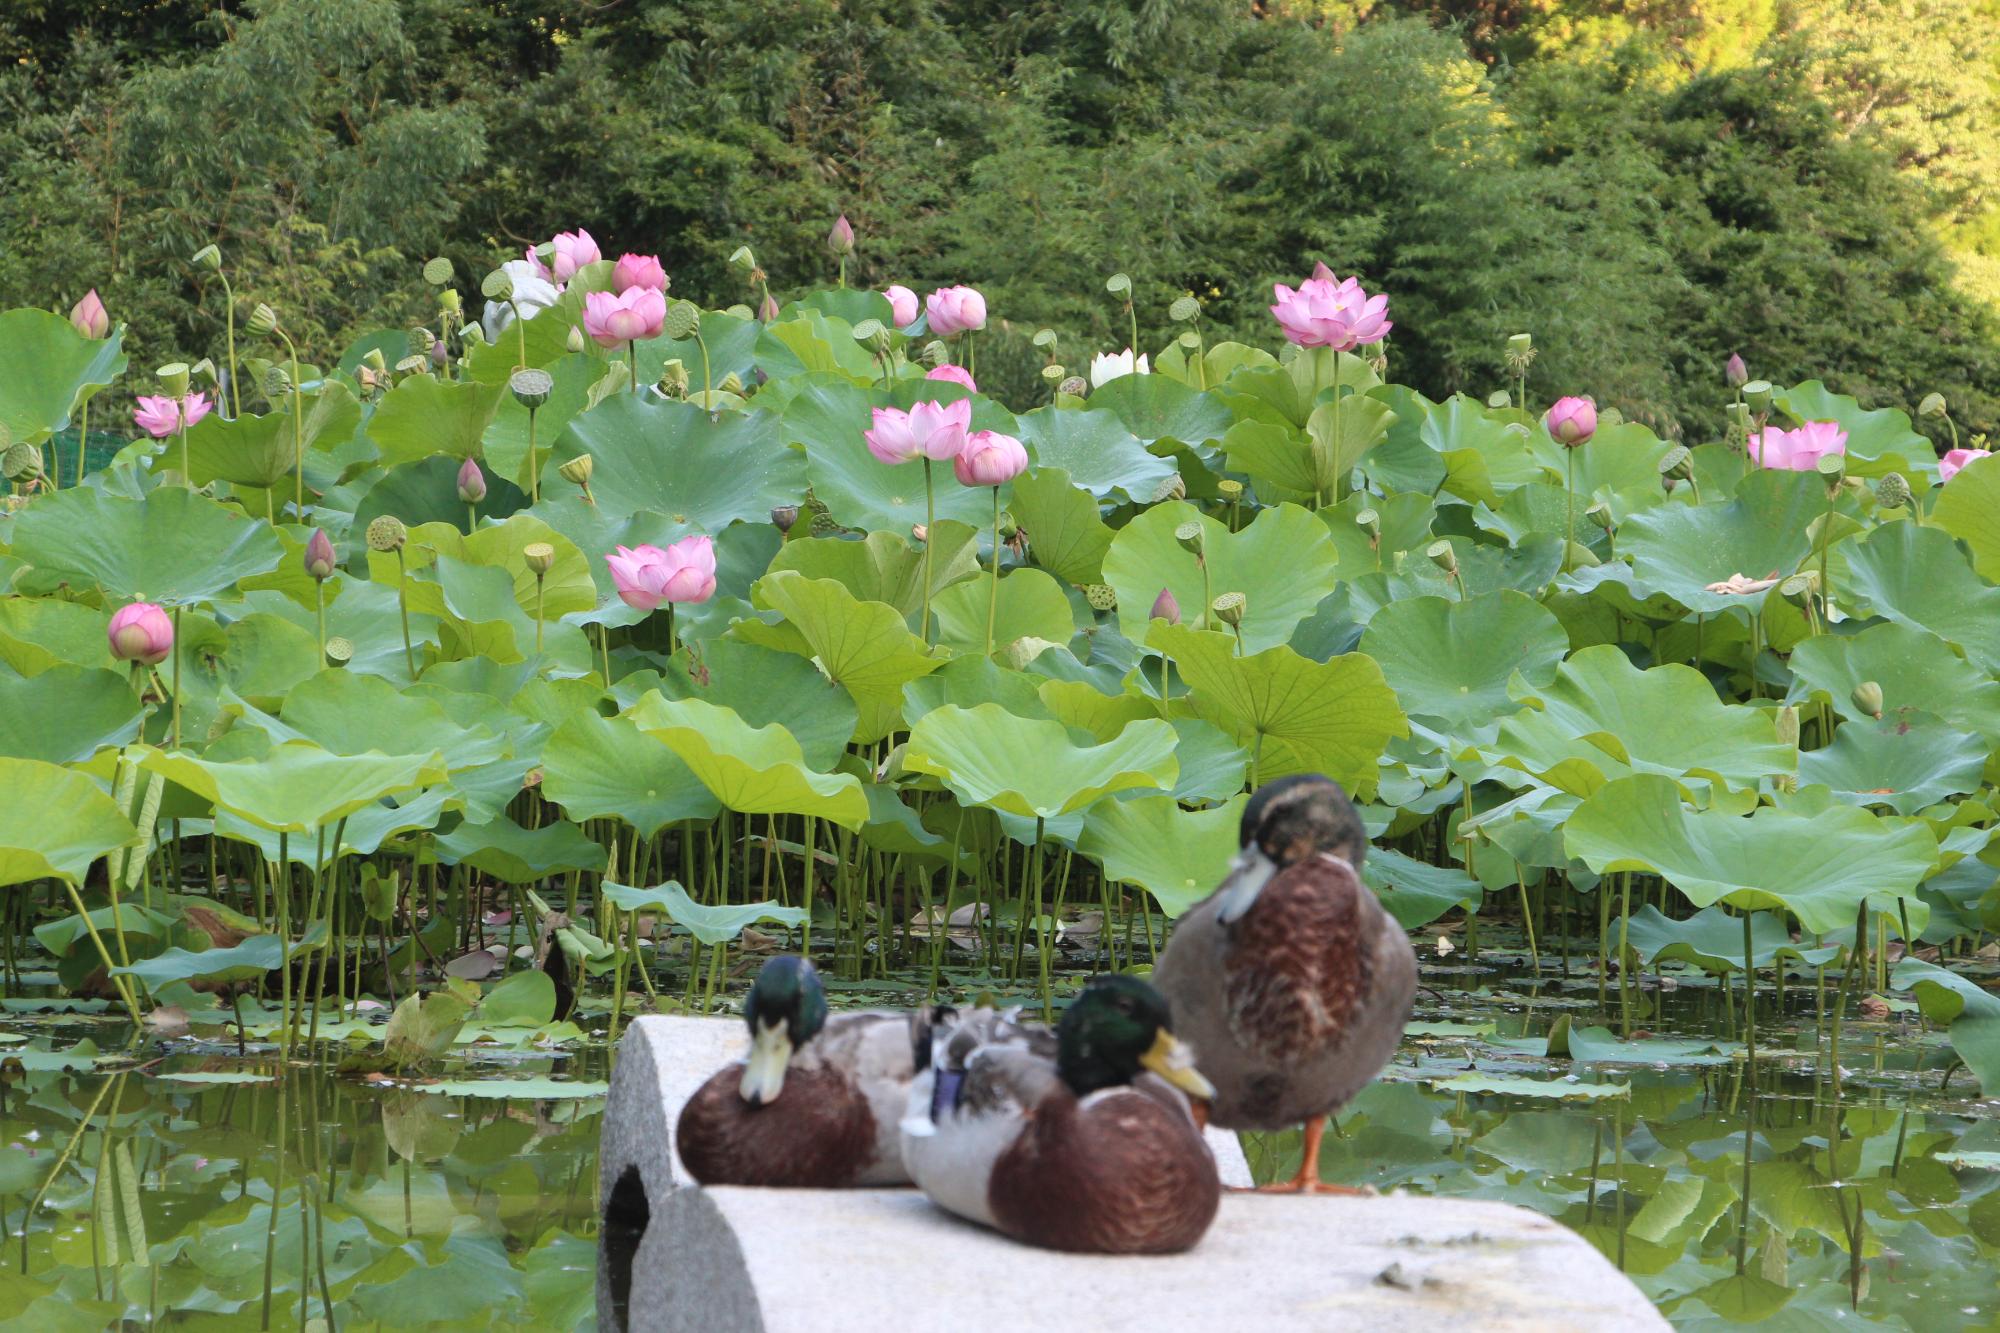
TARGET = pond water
(286,1195)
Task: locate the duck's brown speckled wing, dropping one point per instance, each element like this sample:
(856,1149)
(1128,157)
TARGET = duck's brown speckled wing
(1299,964)
(819,1134)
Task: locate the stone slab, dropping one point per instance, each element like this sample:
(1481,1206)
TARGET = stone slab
(674,1256)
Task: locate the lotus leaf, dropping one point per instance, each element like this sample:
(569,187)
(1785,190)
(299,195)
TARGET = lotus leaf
(296,787)
(1914,667)
(711,924)
(1972,1012)
(69,823)
(1066,533)
(1712,940)
(752,770)
(1030,767)
(1282,563)
(595,767)
(1680,550)
(422,416)
(828,419)
(1904,763)
(1031,606)
(1096,452)
(1178,856)
(50,369)
(174,546)
(516,855)
(864,647)
(1451,661)
(883,566)
(66,713)
(1916,576)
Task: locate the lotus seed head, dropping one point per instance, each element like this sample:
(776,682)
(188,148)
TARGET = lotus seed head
(1867,697)
(1229,608)
(387,533)
(540,557)
(1100,596)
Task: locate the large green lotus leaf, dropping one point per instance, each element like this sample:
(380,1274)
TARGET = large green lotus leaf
(1276,456)
(1712,939)
(742,553)
(1451,661)
(242,962)
(1485,453)
(1177,855)
(345,713)
(1282,563)
(814,342)
(1914,667)
(595,766)
(1969,509)
(1079,705)
(1096,451)
(422,416)
(296,787)
(567,586)
(1917,576)
(68,823)
(1416,892)
(1032,606)
(764,687)
(37,633)
(1972,1011)
(1258,388)
(732,347)
(362,834)
(1601,710)
(1032,768)
(506,851)
(1877,442)
(752,770)
(1293,714)
(1066,533)
(674,459)
(1342,434)
(895,828)
(709,923)
(971,681)
(1405,523)
(1680,549)
(1617,458)
(173,546)
(1154,407)
(260,452)
(1213,765)
(828,418)
(426,492)
(50,368)
(1905,763)
(884,566)
(66,713)
(864,647)
(1818,867)
(577,376)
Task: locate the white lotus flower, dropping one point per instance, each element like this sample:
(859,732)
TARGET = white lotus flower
(1108,366)
(533,293)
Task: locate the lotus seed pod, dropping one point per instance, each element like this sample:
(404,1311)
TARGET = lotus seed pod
(1076,386)
(539,556)
(1757,393)
(1892,491)
(935,354)
(1788,725)
(413,365)
(1520,342)
(1370,521)
(319,557)
(674,379)
(1677,462)
(449,303)
(578,470)
(1799,585)
(209,257)
(387,533)
(1183,309)
(1166,607)
(21,462)
(1100,596)
(375,360)
(1229,608)
(1118,284)
(1044,339)
(1931,406)
(783,517)
(683,319)
(1600,514)
(1053,372)
(1008,527)
(497,286)
(531,387)
(437,272)
(743,259)
(1443,556)
(1172,488)
(1190,536)
(263,320)
(173,377)
(1867,697)
(825,525)
(339,650)
(276,382)
(1499,398)
(1190,340)
(203,372)
(1229,489)
(731,383)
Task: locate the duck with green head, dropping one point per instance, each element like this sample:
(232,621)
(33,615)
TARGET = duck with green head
(816,1102)
(1088,1147)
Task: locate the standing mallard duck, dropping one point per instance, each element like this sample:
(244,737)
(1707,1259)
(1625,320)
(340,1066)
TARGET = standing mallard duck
(1290,980)
(817,1102)
(1091,1150)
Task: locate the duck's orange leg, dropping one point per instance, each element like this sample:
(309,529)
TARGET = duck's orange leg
(1307,1181)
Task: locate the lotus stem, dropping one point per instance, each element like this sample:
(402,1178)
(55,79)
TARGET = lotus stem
(471,519)
(1569,505)
(534,472)
(1750,1073)
(1624,971)
(971,356)
(82,446)
(1528,919)
(632,357)
(1165,709)
(229,324)
(123,983)
(181,435)
(177,678)
(403,606)
(282,891)
(298,427)
(538,615)
(1825,534)
(319,617)
(1132,315)
(707,378)
(930,522)
(993,596)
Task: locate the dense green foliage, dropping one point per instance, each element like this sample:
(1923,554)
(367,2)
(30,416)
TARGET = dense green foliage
(1644,188)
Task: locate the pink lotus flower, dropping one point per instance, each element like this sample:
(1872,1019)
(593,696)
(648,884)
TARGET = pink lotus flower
(1952,463)
(1572,421)
(1325,313)
(638,271)
(989,459)
(141,632)
(902,305)
(635,313)
(928,430)
(1798,450)
(954,375)
(88,316)
(647,576)
(955,310)
(569,251)
(159,418)
(471,482)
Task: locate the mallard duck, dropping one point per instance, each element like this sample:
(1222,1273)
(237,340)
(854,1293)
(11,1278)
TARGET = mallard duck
(1090,1147)
(818,1100)
(1290,981)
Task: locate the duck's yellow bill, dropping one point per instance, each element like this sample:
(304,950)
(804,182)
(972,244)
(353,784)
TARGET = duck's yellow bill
(764,1071)
(1173,1060)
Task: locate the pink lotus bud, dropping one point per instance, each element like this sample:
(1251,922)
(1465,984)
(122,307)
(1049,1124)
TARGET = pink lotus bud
(638,271)
(1798,450)
(160,417)
(955,310)
(1735,372)
(1166,608)
(1325,313)
(647,576)
(954,375)
(141,632)
(989,459)
(613,321)
(88,316)
(1572,421)
(319,558)
(471,482)
(571,250)
(768,309)
(1953,462)
(902,305)
(840,240)
(928,430)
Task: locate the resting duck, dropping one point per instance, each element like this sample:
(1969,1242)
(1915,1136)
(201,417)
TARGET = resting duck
(816,1103)
(1290,979)
(1090,1147)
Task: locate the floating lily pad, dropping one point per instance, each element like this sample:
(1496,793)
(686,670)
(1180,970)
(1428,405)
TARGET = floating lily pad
(1516,1086)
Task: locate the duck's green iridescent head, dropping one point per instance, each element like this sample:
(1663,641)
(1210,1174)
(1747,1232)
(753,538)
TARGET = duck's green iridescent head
(785,1009)
(1115,1030)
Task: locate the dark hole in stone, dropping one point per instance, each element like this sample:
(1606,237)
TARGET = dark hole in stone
(626,1214)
